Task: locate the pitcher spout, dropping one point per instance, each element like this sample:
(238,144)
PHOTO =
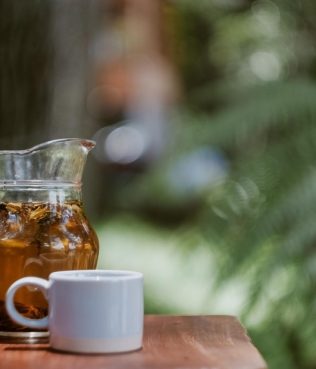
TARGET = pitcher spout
(52,162)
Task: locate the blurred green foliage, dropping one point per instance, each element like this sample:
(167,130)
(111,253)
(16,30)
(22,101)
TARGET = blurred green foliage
(249,71)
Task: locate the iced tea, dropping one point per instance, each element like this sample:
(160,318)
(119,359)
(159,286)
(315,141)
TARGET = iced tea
(36,239)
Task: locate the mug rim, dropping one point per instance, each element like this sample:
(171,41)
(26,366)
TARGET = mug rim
(94,275)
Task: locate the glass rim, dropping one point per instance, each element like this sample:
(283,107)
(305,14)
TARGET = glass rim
(85,142)
(94,275)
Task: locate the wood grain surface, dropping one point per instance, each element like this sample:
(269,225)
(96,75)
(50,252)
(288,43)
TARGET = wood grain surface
(183,342)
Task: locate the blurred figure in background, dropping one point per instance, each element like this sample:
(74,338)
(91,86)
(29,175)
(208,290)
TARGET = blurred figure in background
(136,84)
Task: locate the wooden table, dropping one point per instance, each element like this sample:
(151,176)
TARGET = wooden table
(186,342)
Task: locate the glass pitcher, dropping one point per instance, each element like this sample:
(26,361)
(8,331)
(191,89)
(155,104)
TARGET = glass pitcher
(42,224)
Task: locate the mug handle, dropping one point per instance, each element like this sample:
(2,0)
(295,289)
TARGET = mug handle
(43,285)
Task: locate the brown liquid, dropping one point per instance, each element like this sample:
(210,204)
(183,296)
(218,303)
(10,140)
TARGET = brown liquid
(37,239)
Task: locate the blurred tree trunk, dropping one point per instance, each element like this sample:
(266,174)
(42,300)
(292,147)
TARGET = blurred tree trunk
(72,31)
(44,70)
(25,71)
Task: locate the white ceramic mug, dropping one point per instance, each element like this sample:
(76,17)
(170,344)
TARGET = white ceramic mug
(90,311)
